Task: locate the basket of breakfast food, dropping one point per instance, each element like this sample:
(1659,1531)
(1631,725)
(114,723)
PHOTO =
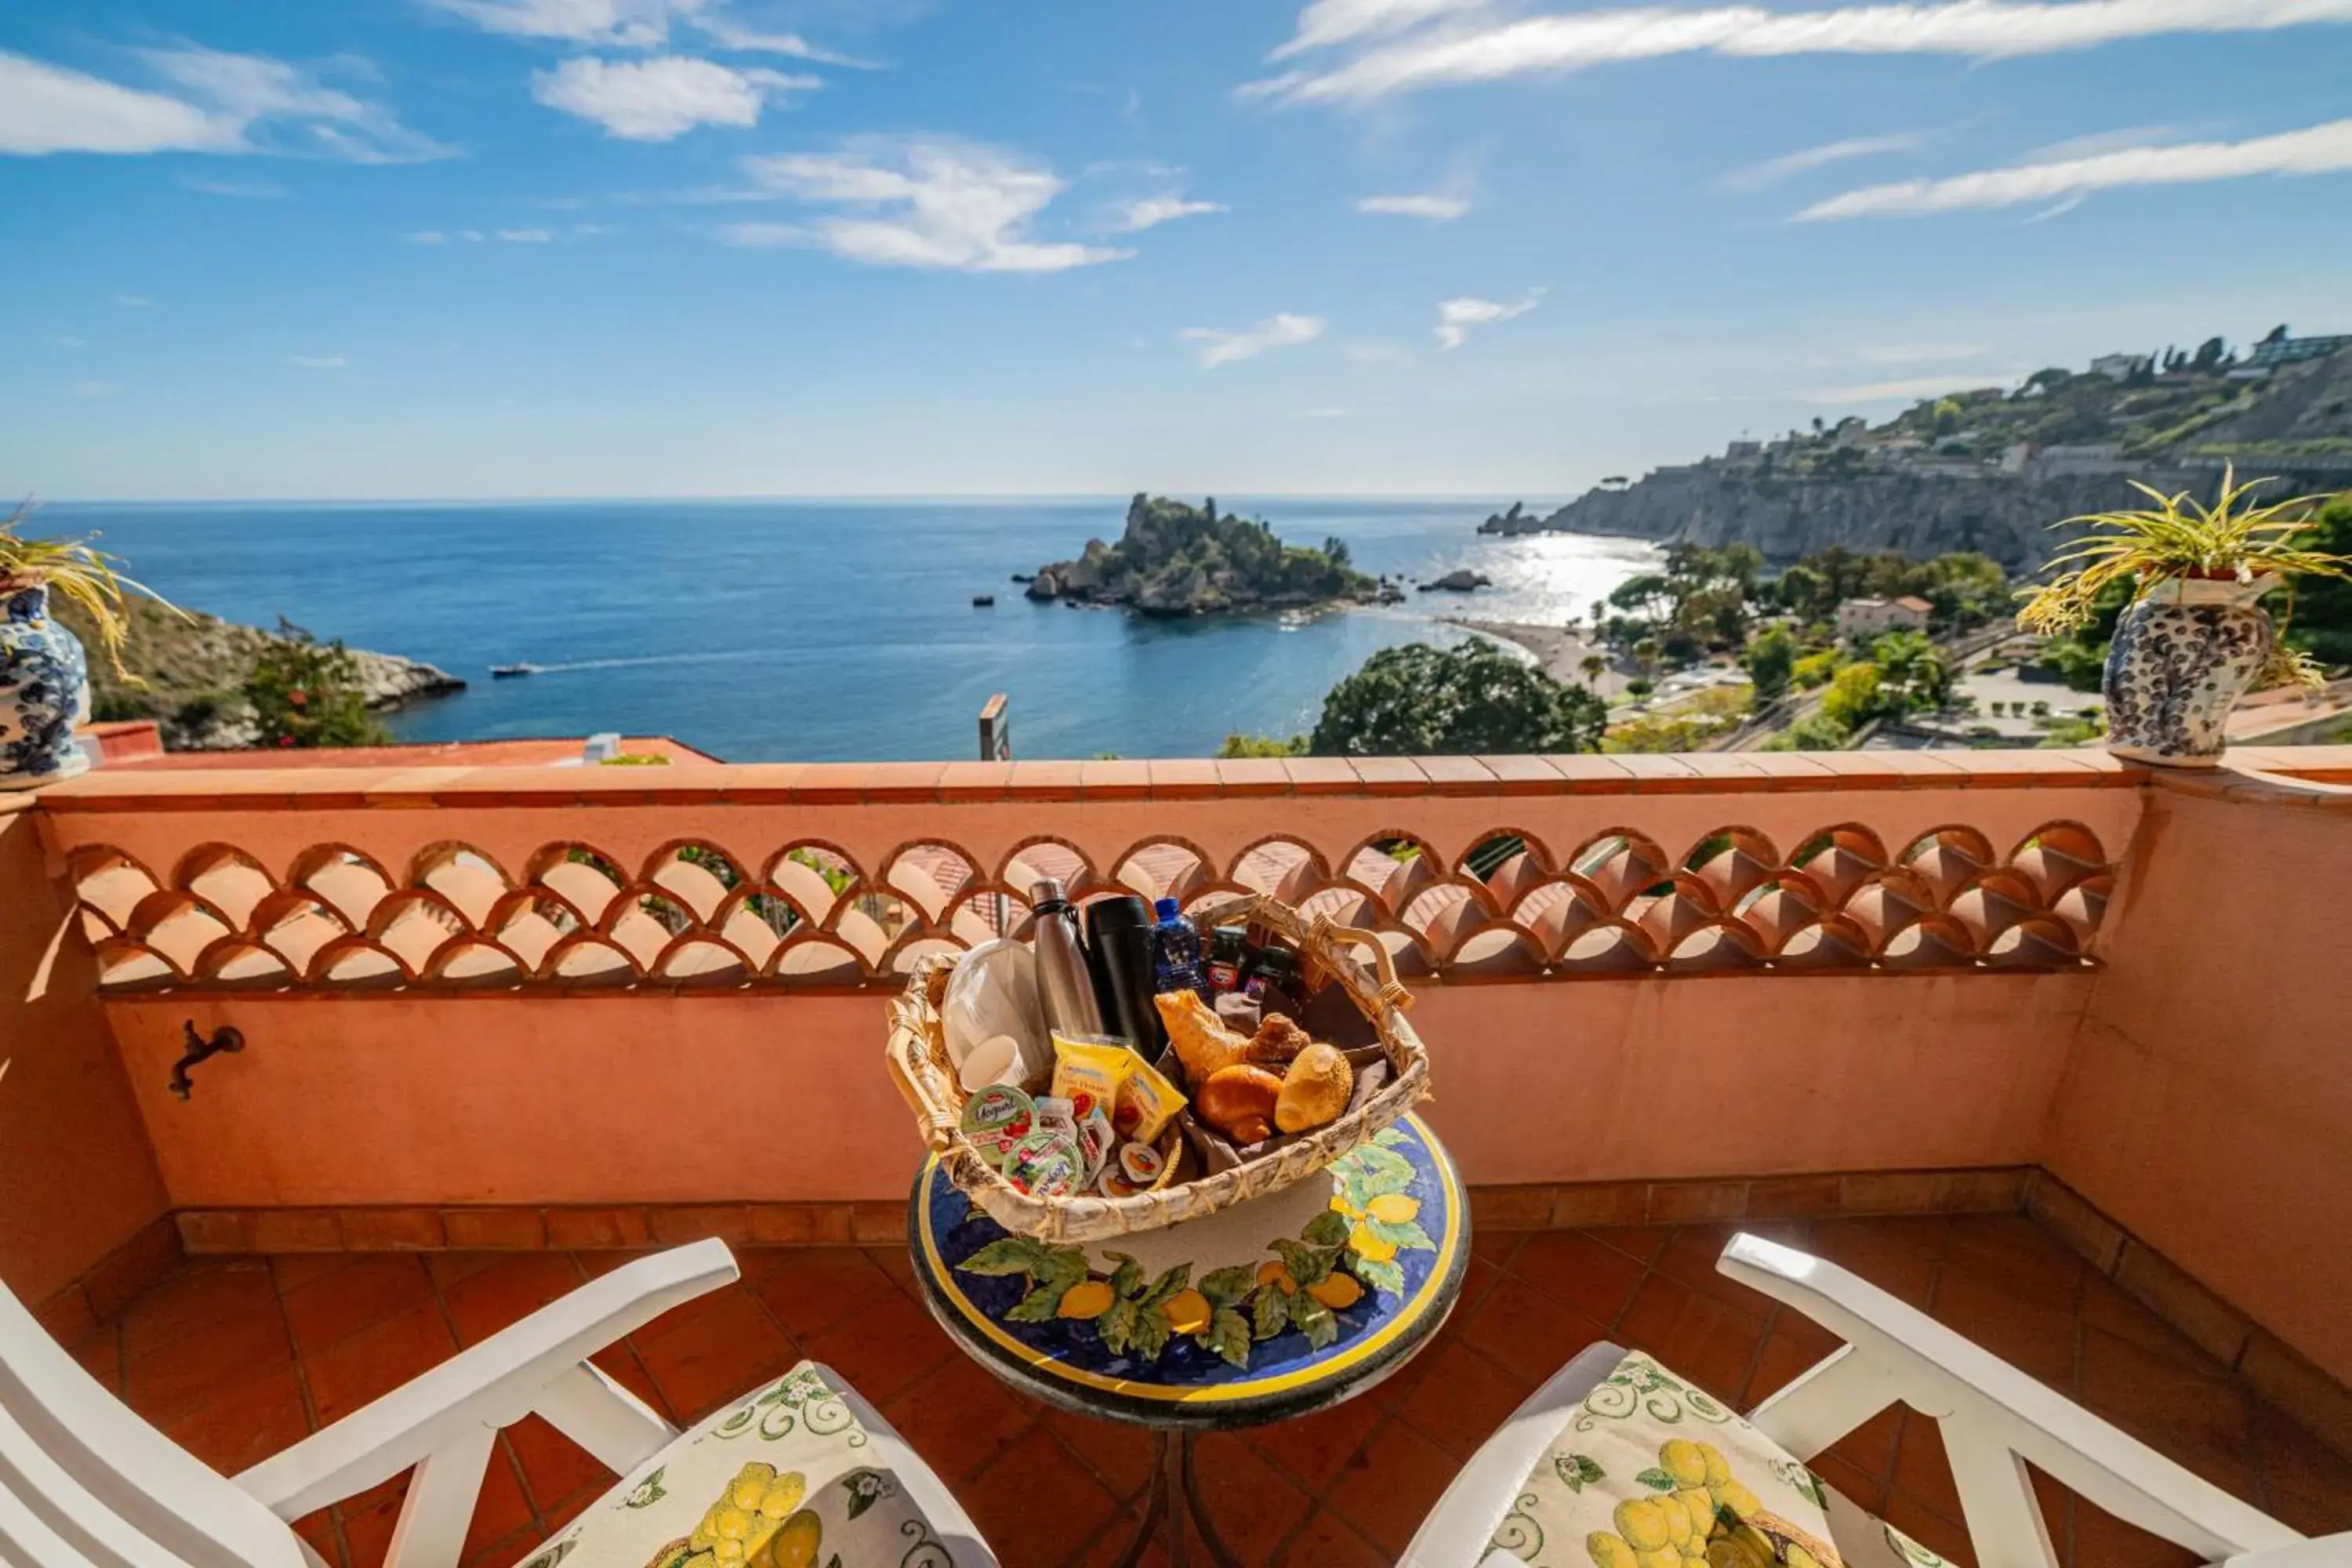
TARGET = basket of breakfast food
(1115,1072)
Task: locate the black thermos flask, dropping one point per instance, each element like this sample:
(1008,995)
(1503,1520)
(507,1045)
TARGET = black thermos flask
(1119,952)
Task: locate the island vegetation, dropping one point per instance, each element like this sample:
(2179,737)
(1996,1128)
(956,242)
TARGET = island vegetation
(1179,560)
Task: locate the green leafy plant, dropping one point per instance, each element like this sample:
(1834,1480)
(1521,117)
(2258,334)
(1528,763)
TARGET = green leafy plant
(2180,537)
(76,569)
(1419,701)
(1238,745)
(304,692)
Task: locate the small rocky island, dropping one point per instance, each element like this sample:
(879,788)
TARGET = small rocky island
(1180,560)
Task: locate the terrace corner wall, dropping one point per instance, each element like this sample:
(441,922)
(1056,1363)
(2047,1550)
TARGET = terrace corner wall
(76,1177)
(2207,1100)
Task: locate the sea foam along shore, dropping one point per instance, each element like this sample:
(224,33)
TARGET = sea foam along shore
(1559,651)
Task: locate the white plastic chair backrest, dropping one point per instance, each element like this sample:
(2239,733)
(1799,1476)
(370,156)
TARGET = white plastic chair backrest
(84,1481)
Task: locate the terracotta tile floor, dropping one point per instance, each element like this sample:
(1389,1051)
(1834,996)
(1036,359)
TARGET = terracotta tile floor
(236,1358)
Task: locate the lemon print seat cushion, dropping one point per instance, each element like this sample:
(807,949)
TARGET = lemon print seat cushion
(1651,1471)
(786,1478)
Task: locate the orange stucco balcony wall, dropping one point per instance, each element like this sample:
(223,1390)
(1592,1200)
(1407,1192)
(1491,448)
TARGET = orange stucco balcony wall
(498,988)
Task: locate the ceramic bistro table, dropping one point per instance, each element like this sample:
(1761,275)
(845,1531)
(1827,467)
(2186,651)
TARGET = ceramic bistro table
(1266,1310)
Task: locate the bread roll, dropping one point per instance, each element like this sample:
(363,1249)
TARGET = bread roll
(1278,1041)
(1239,1102)
(1314,1091)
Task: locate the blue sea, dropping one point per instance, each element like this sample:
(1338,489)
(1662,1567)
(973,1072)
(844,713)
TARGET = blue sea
(764,631)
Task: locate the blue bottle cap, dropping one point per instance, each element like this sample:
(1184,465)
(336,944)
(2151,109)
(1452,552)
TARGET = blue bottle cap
(1165,909)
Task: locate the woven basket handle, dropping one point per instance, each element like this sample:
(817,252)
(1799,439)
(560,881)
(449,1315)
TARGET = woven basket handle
(1392,993)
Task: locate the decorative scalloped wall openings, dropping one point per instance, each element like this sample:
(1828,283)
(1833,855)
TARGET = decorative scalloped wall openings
(701,915)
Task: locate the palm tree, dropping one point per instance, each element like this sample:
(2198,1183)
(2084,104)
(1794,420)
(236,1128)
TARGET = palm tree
(1592,665)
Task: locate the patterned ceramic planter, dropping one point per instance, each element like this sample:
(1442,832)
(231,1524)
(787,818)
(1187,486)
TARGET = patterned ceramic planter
(2181,657)
(44,691)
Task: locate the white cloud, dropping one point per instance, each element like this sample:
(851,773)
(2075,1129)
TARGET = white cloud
(315,362)
(1456,316)
(1327,22)
(664,97)
(1908,389)
(1773,171)
(628,25)
(622,24)
(134,301)
(1919,354)
(509,236)
(1455,53)
(2321,149)
(47,109)
(254,93)
(917,201)
(246,190)
(1435,206)
(1148,212)
(2122,138)
(222,103)
(1219,346)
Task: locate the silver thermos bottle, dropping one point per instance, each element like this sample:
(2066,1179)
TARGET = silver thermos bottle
(1063,983)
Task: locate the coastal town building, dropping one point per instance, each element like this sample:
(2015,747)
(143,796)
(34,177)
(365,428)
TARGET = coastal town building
(2291,351)
(1868,617)
(2115,367)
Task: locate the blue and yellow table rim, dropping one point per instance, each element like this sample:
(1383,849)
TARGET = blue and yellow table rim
(1341,1369)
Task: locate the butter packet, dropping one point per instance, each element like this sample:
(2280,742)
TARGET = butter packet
(1146,1103)
(1088,1070)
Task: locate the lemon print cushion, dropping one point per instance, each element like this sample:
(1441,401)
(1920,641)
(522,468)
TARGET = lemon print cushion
(1652,1473)
(785,1479)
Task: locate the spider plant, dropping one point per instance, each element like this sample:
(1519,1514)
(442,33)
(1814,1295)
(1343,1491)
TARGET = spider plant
(76,569)
(2179,537)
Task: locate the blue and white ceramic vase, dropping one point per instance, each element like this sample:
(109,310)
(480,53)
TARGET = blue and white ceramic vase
(2181,657)
(44,691)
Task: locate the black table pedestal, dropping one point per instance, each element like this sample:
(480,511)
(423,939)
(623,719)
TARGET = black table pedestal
(1174,1478)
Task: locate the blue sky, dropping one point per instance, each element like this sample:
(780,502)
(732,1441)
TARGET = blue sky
(551,247)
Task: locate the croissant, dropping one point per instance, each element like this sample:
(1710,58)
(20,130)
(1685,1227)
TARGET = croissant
(1202,1044)
(1314,1091)
(1239,1102)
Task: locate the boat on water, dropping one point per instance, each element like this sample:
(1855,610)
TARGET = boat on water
(508,671)
(983,601)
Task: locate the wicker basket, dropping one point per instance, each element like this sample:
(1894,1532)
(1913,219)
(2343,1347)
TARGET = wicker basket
(917,1055)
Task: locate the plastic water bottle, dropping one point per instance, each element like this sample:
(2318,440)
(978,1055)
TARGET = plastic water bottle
(1176,951)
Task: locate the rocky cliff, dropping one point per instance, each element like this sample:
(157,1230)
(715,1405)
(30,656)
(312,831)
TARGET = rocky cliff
(1919,514)
(1179,560)
(194,670)
(1992,469)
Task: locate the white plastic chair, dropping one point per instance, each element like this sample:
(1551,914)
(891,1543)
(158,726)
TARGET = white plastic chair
(1994,1418)
(85,1483)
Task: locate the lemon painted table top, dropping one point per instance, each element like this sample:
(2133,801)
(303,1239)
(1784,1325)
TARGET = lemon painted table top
(1262,1312)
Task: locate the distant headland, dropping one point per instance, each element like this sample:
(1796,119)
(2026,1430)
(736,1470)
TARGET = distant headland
(1179,560)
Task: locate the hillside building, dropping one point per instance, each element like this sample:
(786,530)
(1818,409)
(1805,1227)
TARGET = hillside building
(1869,616)
(2292,351)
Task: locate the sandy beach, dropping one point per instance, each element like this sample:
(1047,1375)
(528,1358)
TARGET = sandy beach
(1559,651)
